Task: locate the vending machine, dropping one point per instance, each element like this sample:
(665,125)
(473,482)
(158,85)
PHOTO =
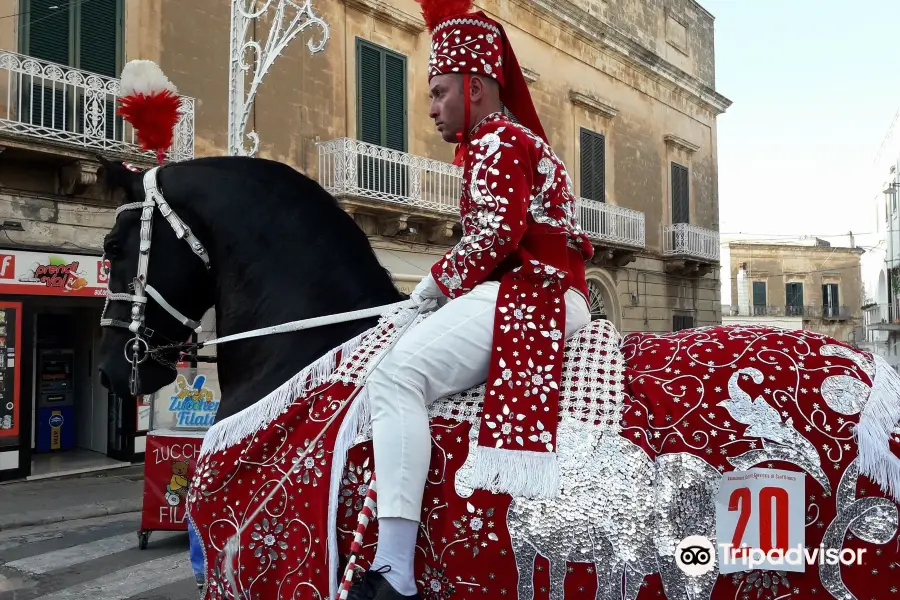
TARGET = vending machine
(55,402)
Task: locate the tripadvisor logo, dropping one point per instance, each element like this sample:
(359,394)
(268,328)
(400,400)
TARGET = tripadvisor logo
(695,555)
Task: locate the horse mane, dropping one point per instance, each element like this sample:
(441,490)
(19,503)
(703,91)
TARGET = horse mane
(288,182)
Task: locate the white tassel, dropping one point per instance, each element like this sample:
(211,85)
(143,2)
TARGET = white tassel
(144,77)
(876,423)
(260,415)
(521,474)
(359,416)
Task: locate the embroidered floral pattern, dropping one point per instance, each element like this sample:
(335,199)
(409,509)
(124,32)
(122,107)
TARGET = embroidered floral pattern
(354,487)
(268,543)
(466,45)
(310,469)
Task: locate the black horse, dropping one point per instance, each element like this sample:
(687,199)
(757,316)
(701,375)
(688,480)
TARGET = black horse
(280,249)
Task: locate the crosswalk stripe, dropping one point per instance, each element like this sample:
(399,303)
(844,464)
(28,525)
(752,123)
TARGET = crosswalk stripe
(67,557)
(124,583)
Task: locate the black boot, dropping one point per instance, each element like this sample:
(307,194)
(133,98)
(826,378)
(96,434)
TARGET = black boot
(373,586)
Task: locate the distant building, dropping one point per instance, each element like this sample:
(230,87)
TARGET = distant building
(808,285)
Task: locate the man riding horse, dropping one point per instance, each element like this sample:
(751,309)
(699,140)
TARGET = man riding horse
(515,284)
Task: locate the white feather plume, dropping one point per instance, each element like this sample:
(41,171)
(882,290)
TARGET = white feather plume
(144,77)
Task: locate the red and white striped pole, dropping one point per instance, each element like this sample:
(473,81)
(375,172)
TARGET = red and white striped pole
(365,515)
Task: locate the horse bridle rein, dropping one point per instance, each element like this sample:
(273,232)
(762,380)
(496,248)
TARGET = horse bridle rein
(137,349)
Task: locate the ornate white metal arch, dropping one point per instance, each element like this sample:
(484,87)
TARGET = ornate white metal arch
(289,19)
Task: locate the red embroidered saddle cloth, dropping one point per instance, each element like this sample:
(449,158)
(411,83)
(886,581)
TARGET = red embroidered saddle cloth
(638,473)
(293,548)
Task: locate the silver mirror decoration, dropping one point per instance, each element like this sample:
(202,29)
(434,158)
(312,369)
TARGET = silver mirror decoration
(284,28)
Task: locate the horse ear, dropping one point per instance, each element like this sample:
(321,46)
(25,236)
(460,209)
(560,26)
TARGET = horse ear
(118,179)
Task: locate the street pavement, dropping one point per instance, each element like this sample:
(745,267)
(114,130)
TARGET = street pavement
(96,558)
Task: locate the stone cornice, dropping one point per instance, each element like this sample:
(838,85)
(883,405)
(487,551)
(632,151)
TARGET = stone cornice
(383,11)
(595,32)
(680,143)
(530,76)
(592,104)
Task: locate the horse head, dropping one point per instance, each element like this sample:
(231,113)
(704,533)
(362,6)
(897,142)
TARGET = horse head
(257,240)
(159,288)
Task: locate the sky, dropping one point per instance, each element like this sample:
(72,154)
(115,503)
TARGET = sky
(815,85)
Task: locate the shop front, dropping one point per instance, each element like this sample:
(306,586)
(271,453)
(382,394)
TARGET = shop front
(55,416)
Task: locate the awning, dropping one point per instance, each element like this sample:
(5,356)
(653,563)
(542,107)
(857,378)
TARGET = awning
(407,266)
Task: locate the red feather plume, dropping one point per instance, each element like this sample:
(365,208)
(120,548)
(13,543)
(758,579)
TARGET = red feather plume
(436,11)
(151,104)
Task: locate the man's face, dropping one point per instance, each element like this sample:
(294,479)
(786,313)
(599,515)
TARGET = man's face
(447,105)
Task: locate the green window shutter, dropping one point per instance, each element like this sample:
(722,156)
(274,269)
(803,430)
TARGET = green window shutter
(394,102)
(48,38)
(98,52)
(48,30)
(369,94)
(759,293)
(681,200)
(593,166)
(98,43)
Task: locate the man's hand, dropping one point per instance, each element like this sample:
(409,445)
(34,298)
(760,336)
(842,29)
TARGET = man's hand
(428,292)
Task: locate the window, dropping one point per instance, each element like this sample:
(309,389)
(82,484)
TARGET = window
(759,298)
(681,199)
(381,96)
(593,166)
(381,116)
(793,293)
(680,322)
(830,301)
(82,35)
(598,310)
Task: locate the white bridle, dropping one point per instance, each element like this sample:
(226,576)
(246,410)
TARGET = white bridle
(137,349)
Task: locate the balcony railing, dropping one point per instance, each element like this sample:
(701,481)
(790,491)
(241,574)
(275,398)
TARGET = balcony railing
(690,241)
(58,104)
(349,168)
(840,313)
(883,316)
(612,224)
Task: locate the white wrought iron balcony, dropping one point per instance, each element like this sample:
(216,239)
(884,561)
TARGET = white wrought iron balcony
(683,240)
(349,168)
(615,225)
(48,102)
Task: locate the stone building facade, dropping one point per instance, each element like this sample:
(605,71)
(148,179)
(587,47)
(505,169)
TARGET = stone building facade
(626,92)
(808,285)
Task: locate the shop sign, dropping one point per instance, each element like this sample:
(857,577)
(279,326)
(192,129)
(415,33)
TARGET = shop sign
(53,274)
(193,406)
(168,469)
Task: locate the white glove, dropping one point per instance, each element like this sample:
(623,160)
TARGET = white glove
(427,291)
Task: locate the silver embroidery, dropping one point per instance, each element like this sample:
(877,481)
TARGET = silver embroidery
(845,395)
(765,423)
(872,519)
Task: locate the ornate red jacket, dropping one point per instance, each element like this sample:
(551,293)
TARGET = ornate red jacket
(516,195)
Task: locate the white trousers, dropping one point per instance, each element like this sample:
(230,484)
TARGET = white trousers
(448,352)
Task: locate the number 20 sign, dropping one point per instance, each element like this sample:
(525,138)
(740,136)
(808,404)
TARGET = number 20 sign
(758,511)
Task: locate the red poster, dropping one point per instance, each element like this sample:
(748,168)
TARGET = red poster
(169,465)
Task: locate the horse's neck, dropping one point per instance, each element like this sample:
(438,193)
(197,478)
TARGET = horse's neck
(250,369)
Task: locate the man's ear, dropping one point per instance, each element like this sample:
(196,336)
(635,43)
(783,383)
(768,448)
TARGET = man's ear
(118,181)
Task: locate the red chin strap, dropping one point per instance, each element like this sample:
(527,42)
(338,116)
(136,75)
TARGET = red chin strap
(463,136)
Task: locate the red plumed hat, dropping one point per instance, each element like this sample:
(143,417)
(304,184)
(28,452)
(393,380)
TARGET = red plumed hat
(471,43)
(150,102)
